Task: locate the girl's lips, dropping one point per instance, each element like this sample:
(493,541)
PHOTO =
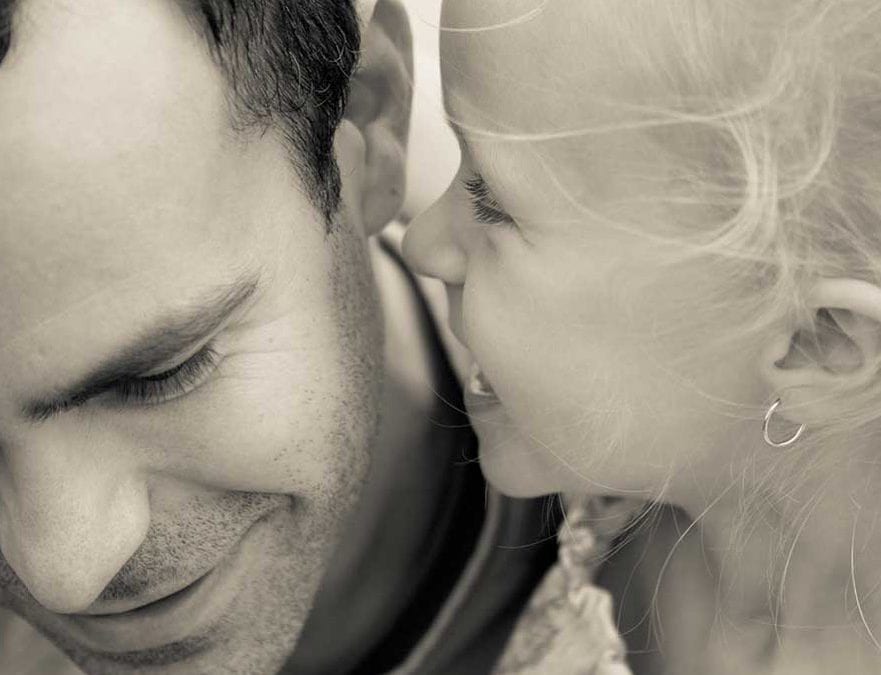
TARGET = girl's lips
(479,386)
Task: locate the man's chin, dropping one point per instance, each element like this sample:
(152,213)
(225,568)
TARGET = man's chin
(232,653)
(192,655)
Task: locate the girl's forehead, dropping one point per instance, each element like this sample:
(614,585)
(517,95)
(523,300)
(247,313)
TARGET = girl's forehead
(535,66)
(462,15)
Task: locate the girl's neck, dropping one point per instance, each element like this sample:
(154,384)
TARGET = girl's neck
(795,583)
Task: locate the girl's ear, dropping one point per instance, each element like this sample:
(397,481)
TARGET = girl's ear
(372,140)
(815,366)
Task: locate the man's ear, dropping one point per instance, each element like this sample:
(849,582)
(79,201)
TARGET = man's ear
(372,140)
(813,367)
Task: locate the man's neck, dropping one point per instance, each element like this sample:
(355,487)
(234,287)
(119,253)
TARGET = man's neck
(363,590)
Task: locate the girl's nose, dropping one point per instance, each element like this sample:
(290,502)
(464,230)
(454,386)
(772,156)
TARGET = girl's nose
(431,247)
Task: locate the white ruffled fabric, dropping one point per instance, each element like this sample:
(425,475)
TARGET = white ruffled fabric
(568,626)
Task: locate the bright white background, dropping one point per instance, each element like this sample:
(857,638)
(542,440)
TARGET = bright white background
(434,153)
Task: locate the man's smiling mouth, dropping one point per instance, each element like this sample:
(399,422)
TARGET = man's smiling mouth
(126,607)
(163,618)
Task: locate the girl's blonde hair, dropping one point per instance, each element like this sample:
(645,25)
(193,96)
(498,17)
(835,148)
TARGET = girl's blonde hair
(770,114)
(776,125)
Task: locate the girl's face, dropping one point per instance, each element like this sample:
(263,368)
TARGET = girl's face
(595,371)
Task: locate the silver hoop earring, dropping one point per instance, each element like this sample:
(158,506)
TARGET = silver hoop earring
(779,444)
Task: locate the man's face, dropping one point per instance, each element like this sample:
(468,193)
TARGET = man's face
(188,361)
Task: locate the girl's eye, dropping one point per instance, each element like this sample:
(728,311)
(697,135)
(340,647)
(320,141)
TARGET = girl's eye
(170,384)
(485,206)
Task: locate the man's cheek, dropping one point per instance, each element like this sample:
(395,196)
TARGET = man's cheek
(253,429)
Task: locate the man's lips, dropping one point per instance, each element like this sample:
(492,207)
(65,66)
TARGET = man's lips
(152,622)
(151,626)
(155,596)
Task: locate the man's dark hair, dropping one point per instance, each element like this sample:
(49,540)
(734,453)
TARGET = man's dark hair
(288,64)
(6,7)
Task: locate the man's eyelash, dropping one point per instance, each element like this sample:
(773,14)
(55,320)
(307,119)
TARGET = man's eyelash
(485,206)
(174,382)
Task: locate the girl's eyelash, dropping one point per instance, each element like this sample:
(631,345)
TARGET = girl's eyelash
(485,206)
(172,383)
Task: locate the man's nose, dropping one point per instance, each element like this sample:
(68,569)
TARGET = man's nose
(432,248)
(68,523)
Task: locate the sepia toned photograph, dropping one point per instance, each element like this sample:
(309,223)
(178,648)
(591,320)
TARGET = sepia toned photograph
(440,337)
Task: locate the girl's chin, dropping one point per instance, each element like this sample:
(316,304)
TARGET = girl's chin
(511,464)
(513,478)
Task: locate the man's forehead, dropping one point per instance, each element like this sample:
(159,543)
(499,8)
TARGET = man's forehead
(88,85)
(105,153)
(125,191)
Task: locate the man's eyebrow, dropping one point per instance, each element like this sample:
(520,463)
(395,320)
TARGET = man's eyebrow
(167,338)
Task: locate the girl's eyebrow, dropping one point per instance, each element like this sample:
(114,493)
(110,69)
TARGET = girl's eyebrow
(170,336)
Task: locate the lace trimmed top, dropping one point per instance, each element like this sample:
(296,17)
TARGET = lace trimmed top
(568,626)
